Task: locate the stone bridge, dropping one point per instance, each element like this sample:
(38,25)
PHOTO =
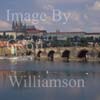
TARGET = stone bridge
(68,53)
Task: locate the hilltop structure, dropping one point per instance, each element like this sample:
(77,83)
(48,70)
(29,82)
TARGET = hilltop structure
(20,28)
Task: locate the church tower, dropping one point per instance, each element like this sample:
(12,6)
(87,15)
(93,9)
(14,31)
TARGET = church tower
(17,25)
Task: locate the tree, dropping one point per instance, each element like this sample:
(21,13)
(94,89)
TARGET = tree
(11,37)
(20,37)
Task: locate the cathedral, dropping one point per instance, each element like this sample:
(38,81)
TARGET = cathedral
(27,30)
(18,26)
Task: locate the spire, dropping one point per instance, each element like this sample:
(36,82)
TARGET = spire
(13,25)
(16,26)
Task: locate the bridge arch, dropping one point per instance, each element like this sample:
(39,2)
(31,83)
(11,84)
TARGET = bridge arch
(66,54)
(39,53)
(82,54)
(99,55)
(51,55)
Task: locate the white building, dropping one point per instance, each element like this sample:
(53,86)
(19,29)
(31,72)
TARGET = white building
(95,35)
(63,35)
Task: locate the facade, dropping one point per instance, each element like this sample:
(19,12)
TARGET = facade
(63,35)
(39,33)
(1,33)
(95,35)
(11,33)
(66,35)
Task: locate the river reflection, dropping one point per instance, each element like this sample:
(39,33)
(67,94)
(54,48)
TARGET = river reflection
(90,74)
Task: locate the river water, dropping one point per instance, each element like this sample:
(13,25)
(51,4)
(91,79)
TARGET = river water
(89,72)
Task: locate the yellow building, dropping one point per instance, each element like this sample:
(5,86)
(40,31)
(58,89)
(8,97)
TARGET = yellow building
(11,33)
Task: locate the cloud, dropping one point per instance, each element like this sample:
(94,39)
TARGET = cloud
(95,29)
(49,4)
(4,25)
(71,1)
(74,23)
(96,5)
(63,1)
(75,16)
(82,16)
(86,19)
(48,7)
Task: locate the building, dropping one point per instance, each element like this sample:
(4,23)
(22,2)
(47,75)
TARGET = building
(35,32)
(95,35)
(63,35)
(18,28)
(66,35)
(28,30)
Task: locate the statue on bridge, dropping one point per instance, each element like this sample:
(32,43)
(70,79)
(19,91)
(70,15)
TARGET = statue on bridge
(39,44)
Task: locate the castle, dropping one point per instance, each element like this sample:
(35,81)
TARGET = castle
(20,28)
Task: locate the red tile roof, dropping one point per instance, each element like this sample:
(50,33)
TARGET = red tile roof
(35,31)
(67,32)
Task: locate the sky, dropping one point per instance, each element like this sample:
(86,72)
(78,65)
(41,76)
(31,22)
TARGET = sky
(52,15)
